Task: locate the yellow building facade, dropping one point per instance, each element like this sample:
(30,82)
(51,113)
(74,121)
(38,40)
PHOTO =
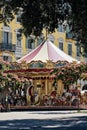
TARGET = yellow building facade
(66,44)
(14,45)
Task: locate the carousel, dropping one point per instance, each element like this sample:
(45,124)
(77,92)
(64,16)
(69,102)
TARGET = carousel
(36,67)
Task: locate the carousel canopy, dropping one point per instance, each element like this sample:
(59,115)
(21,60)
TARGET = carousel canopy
(46,51)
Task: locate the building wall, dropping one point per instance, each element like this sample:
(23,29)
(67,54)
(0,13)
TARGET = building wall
(19,50)
(56,38)
(61,37)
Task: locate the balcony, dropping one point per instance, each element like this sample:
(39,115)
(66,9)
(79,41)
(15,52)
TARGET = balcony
(7,47)
(18,51)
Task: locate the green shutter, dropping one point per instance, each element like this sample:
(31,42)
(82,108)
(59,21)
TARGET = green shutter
(27,42)
(10,38)
(67,29)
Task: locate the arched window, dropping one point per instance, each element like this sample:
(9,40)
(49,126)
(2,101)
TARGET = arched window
(18,39)
(60,40)
(30,42)
(70,49)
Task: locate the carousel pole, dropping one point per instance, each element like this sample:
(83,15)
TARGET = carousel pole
(46,87)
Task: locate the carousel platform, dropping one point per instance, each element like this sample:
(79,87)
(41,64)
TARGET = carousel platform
(47,108)
(44,108)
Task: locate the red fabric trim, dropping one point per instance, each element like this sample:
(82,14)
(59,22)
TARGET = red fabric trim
(29,70)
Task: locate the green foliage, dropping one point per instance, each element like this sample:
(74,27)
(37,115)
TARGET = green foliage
(78,22)
(36,14)
(71,73)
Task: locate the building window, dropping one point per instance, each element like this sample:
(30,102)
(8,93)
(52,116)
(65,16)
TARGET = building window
(7,58)
(6,37)
(67,28)
(69,35)
(39,41)
(61,45)
(18,39)
(51,38)
(68,32)
(70,49)
(78,51)
(30,43)
(61,41)
(60,28)
(18,18)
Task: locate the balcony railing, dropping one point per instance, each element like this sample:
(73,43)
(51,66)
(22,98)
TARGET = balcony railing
(7,47)
(18,51)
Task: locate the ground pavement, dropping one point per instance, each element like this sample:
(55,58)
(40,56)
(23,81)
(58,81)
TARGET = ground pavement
(43,120)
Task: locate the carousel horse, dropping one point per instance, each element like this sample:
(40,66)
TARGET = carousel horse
(53,98)
(84,99)
(30,95)
(36,99)
(45,99)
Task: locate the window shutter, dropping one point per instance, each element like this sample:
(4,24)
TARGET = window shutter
(10,38)
(27,42)
(10,59)
(67,29)
(33,45)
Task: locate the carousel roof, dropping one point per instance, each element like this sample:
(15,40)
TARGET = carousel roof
(46,51)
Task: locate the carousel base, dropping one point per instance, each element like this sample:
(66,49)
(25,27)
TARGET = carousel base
(46,108)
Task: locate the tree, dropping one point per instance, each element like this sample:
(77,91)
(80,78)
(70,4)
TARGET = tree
(78,22)
(39,14)
(36,14)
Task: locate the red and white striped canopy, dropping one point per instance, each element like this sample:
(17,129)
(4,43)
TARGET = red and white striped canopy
(46,51)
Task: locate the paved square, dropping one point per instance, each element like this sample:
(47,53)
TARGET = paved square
(43,120)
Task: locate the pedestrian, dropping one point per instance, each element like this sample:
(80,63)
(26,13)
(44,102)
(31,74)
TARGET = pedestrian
(7,102)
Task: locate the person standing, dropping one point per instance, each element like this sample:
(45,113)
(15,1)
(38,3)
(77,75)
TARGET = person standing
(7,102)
